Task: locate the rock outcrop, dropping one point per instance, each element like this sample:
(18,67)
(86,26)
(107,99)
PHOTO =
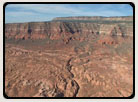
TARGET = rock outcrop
(99,18)
(65,30)
(72,58)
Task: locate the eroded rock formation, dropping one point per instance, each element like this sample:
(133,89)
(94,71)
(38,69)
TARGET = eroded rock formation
(66,30)
(70,58)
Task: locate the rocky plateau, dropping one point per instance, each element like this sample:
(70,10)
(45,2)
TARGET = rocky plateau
(70,57)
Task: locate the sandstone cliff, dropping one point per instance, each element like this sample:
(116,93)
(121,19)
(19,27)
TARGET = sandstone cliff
(72,59)
(62,30)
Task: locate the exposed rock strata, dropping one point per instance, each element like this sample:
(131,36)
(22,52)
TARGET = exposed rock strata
(69,58)
(57,30)
(99,18)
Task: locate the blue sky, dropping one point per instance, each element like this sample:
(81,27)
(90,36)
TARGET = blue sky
(45,12)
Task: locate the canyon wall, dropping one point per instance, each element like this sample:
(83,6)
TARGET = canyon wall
(67,30)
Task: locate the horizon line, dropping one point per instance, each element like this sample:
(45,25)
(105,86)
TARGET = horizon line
(68,17)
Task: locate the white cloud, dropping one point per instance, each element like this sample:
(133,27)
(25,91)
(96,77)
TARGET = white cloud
(40,8)
(29,9)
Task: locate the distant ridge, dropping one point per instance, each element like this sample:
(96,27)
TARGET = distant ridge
(101,18)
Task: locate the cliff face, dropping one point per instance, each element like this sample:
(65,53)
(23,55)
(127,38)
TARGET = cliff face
(72,59)
(66,30)
(100,18)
